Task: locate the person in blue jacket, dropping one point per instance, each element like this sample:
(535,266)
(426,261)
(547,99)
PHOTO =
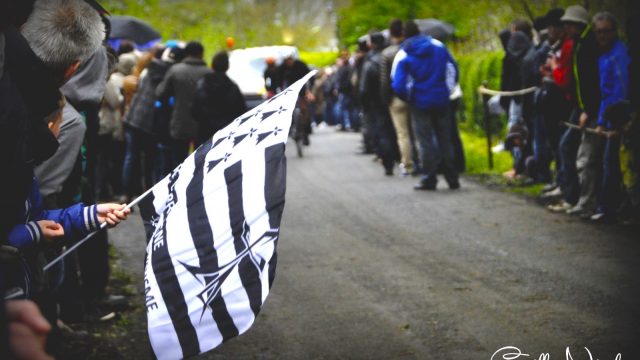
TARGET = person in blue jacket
(613,66)
(419,76)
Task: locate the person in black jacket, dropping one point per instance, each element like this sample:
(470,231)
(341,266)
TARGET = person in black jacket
(587,95)
(217,100)
(374,107)
(271,78)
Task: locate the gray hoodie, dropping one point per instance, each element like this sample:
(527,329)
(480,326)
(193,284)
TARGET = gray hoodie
(88,83)
(54,172)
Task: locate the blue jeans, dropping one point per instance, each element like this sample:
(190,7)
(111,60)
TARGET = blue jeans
(164,160)
(541,150)
(611,189)
(342,111)
(432,129)
(328,114)
(568,171)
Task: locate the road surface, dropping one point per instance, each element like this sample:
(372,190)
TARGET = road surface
(371,269)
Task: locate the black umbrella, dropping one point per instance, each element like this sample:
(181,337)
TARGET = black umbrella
(435,28)
(134,29)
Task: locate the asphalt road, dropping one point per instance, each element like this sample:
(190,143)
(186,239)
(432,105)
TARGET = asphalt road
(371,269)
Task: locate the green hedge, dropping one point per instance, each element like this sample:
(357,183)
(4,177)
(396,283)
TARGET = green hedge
(474,69)
(319,59)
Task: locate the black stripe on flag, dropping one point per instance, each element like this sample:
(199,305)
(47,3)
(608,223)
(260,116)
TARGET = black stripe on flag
(199,226)
(249,275)
(147,213)
(275,185)
(170,287)
(275,182)
(203,241)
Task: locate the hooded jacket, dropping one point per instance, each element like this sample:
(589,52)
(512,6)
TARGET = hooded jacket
(517,66)
(216,102)
(180,82)
(86,86)
(142,110)
(419,73)
(614,79)
(28,93)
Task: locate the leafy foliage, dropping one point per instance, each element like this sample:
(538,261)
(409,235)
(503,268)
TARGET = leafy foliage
(477,23)
(319,59)
(475,69)
(249,23)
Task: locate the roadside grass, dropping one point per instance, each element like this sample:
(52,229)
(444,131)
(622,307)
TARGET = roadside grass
(475,148)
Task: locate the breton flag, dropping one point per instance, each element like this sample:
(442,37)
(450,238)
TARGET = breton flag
(213,226)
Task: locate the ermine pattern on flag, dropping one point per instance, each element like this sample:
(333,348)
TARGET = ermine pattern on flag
(213,227)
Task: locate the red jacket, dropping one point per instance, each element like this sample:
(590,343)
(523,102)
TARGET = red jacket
(563,74)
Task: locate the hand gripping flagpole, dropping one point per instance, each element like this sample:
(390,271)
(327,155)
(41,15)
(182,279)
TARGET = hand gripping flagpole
(102,226)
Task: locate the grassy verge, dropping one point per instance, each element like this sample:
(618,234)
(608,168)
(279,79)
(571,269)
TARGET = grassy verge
(124,336)
(475,148)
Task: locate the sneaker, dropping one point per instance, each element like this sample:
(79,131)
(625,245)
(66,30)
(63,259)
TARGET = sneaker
(113,301)
(576,210)
(549,187)
(553,193)
(563,206)
(403,171)
(602,218)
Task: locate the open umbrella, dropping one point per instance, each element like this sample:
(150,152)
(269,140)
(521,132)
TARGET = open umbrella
(133,29)
(437,29)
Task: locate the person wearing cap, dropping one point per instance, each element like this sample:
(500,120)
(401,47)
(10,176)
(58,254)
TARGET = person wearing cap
(587,96)
(551,107)
(579,161)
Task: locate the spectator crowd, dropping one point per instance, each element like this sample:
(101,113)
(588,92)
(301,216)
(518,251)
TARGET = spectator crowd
(566,91)
(400,90)
(86,123)
(575,113)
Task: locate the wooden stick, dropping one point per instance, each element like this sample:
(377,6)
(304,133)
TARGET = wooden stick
(588,130)
(102,226)
(484,90)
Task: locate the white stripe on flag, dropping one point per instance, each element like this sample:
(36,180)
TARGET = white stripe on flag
(162,335)
(183,267)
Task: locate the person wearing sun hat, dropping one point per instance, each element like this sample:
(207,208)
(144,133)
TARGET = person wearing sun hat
(587,105)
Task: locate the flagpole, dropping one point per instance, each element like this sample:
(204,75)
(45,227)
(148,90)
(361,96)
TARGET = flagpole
(102,226)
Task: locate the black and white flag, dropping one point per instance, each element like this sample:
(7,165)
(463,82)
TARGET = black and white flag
(213,225)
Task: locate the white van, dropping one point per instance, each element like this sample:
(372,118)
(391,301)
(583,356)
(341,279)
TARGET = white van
(247,66)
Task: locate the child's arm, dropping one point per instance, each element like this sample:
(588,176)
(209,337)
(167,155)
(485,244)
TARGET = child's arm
(79,220)
(33,232)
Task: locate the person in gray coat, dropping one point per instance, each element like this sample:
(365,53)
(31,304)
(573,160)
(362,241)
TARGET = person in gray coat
(180,83)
